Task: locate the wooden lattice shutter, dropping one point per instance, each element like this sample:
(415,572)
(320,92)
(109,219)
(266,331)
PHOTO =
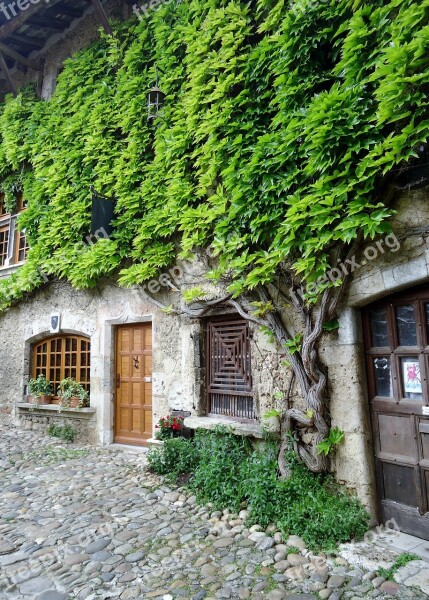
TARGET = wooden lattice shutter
(229,369)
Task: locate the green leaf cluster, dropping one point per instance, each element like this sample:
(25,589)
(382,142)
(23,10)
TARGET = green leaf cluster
(335,437)
(279,123)
(224,469)
(402,560)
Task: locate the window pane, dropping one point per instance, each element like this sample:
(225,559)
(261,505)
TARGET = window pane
(383,377)
(427,319)
(4,237)
(63,364)
(379,333)
(406,325)
(411,378)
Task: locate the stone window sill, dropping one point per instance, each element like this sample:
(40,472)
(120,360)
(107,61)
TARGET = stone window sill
(47,408)
(247,429)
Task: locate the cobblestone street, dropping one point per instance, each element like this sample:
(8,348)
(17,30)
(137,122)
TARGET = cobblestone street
(84,523)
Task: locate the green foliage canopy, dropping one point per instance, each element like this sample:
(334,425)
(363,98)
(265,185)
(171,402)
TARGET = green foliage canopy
(279,121)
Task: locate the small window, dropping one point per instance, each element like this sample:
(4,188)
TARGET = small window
(21,247)
(21,203)
(64,356)
(230,390)
(4,242)
(406,325)
(3,210)
(379,333)
(13,243)
(397,349)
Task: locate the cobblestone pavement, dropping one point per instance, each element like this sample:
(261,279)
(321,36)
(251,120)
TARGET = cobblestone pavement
(87,523)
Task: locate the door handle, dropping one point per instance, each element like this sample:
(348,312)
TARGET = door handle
(147,379)
(118,381)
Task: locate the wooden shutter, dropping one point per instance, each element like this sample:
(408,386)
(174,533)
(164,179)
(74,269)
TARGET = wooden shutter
(229,369)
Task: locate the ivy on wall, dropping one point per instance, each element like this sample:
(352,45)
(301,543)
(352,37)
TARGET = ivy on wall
(280,122)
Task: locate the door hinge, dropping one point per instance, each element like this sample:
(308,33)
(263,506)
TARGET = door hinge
(118,381)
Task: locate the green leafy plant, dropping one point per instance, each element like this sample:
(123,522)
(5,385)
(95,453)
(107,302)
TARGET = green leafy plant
(194,294)
(40,387)
(402,560)
(331,325)
(219,453)
(335,437)
(262,308)
(224,469)
(64,432)
(178,457)
(272,413)
(294,345)
(68,389)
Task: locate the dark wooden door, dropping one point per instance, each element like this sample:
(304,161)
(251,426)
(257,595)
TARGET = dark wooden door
(133,404)
(397,350)
(229,369)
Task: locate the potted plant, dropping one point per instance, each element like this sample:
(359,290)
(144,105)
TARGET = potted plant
(40,391)
(169,427)
(72,394)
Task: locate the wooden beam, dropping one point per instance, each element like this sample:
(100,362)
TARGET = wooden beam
(16,56)
(71,12)
(45,22)
(7,75)
(24,41)
(102,16)
(20,17)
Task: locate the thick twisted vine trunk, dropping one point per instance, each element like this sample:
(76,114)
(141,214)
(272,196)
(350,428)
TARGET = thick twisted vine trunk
(305,364)
(310,376)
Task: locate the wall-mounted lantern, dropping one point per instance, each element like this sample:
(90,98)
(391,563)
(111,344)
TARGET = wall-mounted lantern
(155,100)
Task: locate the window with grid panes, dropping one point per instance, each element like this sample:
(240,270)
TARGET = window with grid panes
(21,247)
(63,356)
(13,243)
(398,350)
(4,242)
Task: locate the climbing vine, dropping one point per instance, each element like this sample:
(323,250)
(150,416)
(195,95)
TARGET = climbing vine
(282,126)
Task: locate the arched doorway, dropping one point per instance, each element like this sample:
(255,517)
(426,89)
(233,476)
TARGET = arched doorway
(396,336)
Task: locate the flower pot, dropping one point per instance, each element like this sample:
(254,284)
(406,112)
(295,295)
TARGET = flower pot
(56,400)
(39,399)
(72,403)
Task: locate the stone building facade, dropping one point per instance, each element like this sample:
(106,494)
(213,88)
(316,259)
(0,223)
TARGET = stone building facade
(145,363)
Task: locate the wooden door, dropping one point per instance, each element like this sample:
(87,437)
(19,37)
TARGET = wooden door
(397,350)
(133,404)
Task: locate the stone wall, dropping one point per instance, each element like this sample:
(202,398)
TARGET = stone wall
(83,423)
(403,265)
(178,341)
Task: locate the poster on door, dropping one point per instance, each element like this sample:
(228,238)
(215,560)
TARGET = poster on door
(412,379)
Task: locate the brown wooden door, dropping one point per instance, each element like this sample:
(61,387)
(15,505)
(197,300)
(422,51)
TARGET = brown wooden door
(397,350)
(133,404)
